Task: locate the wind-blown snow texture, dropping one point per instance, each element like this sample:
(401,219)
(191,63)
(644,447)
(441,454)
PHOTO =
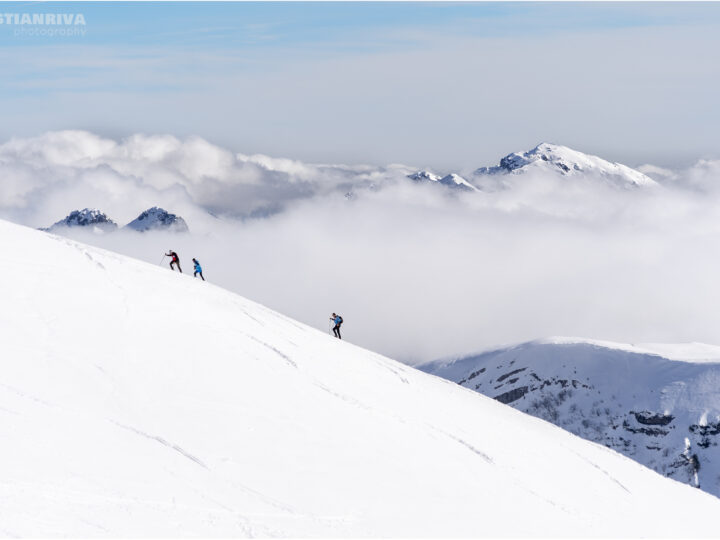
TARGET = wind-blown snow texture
(662,412)
(135,401)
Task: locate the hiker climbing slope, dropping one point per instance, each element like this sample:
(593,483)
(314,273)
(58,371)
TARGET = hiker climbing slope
(198,269)
(174,259)
(338,320)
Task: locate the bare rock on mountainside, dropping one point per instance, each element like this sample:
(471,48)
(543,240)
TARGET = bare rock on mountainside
(88,217)
(648,403)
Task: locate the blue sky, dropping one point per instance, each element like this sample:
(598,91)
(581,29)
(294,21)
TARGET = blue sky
(440,85)
(241,25)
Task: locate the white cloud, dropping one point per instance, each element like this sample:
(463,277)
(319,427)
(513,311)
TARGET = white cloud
(658,173)
(704,175)
(70,169)
(416,270)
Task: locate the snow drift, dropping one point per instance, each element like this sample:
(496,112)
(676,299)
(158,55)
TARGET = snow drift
(139,402)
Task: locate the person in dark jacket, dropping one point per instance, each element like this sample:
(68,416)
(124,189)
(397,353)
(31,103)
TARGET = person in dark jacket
(174,259)
(338,320)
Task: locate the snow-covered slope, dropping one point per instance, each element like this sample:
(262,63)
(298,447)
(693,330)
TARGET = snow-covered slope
(424,176)
(157,218)
(135,401)
(87,217)
(560,160)
(659,404)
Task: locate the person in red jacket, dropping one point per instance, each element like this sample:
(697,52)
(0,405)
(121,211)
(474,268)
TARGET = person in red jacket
(174,259)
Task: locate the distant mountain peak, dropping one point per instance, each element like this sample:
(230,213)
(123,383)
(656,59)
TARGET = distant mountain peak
(457,181)
(555,158)
(424,175)
(87,217)
(156,218)
(451,180)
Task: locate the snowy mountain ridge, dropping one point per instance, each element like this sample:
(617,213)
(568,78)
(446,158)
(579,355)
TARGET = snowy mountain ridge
(87,217)
(451,180)
(157,218)
(681,352)
(545,159)
(557,159)
(154,218)
(136,401)
(658,404)
(457,181)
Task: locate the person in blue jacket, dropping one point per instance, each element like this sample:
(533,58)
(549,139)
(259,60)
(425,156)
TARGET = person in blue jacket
(198,269)
(338,320)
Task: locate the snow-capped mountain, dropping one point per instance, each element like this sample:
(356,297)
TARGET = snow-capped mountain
(157,219)
(87,217)
(659,405)
(457,181)
(546,159)
(560,160)
(451,180)
(136,401)
(424,176)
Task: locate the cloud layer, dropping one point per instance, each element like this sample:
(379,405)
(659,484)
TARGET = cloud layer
(418,271)
(45,175)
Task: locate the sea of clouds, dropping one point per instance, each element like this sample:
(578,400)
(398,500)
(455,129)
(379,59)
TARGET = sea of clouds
(418,271)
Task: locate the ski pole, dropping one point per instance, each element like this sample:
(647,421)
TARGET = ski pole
(161,260)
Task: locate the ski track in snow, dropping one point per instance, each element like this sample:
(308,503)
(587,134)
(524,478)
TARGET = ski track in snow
(260,323)
(25,395)
(162,441)
(610,476)
(346,399)
(386,365)
(279,353)
(462,442)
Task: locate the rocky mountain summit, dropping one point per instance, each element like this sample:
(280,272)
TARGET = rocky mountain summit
(87,217)
(157,219)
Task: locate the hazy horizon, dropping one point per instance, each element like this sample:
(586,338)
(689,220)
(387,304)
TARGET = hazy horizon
(436,85)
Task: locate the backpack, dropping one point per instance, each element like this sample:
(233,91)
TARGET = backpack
(341,319)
